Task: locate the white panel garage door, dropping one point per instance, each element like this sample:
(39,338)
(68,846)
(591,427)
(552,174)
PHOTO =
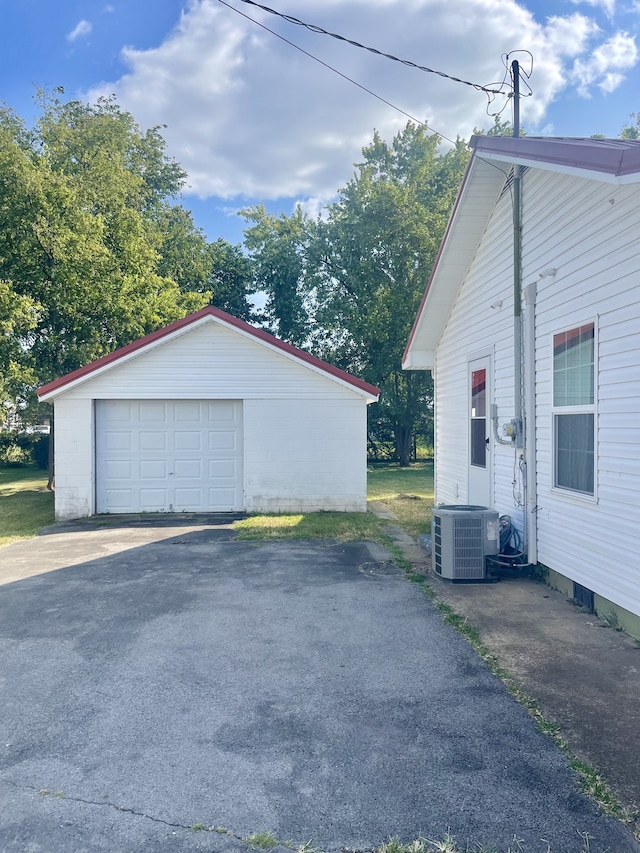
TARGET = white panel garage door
(169,456)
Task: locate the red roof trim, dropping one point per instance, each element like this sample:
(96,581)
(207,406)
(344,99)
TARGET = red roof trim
(228,319)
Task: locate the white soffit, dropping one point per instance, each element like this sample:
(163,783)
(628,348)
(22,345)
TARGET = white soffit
(474,205)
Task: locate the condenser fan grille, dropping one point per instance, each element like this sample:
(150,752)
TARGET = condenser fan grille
(463,536)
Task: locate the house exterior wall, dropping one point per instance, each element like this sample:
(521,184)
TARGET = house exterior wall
(476,329)
(304,434)
(588,232)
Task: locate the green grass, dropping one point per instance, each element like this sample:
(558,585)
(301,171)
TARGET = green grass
(25,503)
(407,492)
(344,526)
(263,841)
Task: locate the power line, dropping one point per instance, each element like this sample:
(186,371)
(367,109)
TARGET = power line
(335,70)
(316,29)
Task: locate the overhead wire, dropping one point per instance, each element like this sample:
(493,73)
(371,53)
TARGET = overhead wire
(336,71)
(321,31)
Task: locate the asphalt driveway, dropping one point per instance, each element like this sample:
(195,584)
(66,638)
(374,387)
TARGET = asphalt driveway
(169,689)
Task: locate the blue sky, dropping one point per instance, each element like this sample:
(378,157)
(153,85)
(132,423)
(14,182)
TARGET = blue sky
(254,120)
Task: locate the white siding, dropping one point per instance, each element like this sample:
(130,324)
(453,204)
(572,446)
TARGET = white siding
(589,231)
(304,443)
(74,458)
(209,362)
(308,455)
(475,328)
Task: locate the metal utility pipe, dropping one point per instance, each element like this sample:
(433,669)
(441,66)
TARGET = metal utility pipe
(517,264)
(517,303)
(530,485)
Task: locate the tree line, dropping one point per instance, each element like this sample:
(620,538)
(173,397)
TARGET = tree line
(95,252)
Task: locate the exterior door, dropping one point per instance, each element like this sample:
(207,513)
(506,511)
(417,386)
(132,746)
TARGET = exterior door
(479,419)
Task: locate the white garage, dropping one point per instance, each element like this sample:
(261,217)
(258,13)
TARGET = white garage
(209,414)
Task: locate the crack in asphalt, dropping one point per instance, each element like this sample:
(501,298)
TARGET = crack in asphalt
(194,827)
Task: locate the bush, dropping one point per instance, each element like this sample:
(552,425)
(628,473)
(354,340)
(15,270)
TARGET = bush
(21,448)
(16,456)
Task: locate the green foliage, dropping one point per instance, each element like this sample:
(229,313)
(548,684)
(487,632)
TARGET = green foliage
(278,246)
(83,205)
(631,130)
(373,256)
(22,449)
(348,285)
(231,279)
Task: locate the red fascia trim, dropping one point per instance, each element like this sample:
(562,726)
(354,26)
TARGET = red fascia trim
(207,311)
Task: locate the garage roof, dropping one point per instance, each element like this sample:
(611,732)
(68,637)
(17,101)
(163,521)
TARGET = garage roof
(205,315)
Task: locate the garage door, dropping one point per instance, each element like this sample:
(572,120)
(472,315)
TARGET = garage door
(169,456)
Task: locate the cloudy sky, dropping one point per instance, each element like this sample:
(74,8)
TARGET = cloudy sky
(253,119)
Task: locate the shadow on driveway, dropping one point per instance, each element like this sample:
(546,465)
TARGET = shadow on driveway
(159,682)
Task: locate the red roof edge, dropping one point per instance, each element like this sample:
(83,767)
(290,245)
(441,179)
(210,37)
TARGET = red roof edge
(229,319)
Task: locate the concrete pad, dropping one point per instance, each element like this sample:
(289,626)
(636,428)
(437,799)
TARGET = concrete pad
(584,675)
(159,683)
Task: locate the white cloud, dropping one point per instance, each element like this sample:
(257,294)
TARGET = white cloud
(609,6)
(82,29)
(249,116)
(605,65)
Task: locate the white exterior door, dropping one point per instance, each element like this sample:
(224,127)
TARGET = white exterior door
(169,456)
(479,431)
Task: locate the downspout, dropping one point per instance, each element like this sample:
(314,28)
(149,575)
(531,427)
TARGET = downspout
(530,485)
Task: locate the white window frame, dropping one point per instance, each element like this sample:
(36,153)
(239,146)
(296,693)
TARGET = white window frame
(591,409)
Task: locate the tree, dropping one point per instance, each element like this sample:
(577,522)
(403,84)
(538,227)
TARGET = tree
(277,246)
(18,318)
(183,250)
(231,280)
(631,130)
(372,258)
(83,199)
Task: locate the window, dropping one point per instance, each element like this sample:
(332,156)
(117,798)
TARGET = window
(478,418)
(574,409)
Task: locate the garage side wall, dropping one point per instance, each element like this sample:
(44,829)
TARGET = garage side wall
(305,455)
(74,458)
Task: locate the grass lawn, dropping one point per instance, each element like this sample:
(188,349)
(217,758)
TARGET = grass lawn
(344,526)
(25,503)
(26,506)
(407,492)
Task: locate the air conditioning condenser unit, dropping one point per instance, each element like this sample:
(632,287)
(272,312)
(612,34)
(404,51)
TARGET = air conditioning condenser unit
(463,536)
